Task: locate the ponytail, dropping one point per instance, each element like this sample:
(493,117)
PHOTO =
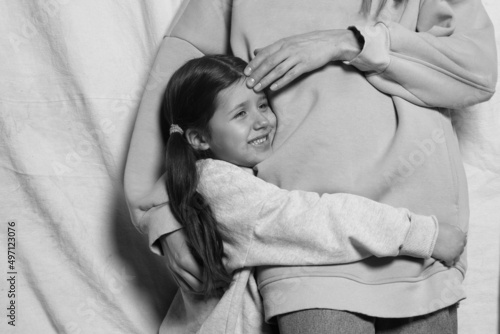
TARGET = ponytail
(190,102)
(193,212)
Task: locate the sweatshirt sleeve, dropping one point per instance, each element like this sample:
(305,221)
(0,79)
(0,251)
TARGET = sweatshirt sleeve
(272,226)
(200,27)
(449,61)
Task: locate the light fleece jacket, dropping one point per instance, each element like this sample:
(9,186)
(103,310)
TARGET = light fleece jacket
(268,225)
(378,126)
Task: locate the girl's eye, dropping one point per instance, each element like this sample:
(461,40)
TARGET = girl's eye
(263,106)
(240,114)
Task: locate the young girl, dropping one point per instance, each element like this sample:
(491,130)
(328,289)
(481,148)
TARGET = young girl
(219,130)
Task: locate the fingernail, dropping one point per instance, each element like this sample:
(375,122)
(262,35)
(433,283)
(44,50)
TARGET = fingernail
(250,82)
(257,86)
(274,86)
(247,71)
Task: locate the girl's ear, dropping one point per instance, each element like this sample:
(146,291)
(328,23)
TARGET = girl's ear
(197,140)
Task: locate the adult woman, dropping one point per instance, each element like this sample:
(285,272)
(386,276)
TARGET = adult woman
(398,149)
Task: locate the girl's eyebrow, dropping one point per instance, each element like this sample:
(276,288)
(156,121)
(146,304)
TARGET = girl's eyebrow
(242,104)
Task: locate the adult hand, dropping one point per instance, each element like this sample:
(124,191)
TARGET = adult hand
(184,268)
(285,60)
(450,244)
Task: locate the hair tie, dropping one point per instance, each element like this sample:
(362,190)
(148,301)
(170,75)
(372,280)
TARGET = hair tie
(175,128)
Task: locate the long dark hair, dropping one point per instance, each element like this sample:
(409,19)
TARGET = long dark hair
(190,102)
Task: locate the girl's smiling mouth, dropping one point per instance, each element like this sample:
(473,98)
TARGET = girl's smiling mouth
(259,140)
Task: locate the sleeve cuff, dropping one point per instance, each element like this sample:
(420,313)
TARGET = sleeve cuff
(421,237)
(374,57)
(159,221)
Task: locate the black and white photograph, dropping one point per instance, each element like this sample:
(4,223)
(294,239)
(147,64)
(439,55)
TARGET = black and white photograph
(250,166)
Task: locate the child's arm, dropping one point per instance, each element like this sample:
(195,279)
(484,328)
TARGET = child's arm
(272,226)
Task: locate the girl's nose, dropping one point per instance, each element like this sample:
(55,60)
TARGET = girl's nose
(261,121)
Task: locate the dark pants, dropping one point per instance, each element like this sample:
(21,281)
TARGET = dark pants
(323,321)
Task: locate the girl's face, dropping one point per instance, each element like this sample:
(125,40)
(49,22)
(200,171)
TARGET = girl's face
(242,127)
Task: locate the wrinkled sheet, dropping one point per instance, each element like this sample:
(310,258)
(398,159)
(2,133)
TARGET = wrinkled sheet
(71,76)
(478,130)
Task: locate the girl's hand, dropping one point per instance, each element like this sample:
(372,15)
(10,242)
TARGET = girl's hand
(184,268)
(450,244)
(285,60)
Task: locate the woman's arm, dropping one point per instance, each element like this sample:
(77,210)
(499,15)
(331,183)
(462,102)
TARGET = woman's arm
(450,61)
(201,27)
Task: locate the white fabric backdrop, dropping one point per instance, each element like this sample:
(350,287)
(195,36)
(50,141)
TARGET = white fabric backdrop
(71,77)
(478,130)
